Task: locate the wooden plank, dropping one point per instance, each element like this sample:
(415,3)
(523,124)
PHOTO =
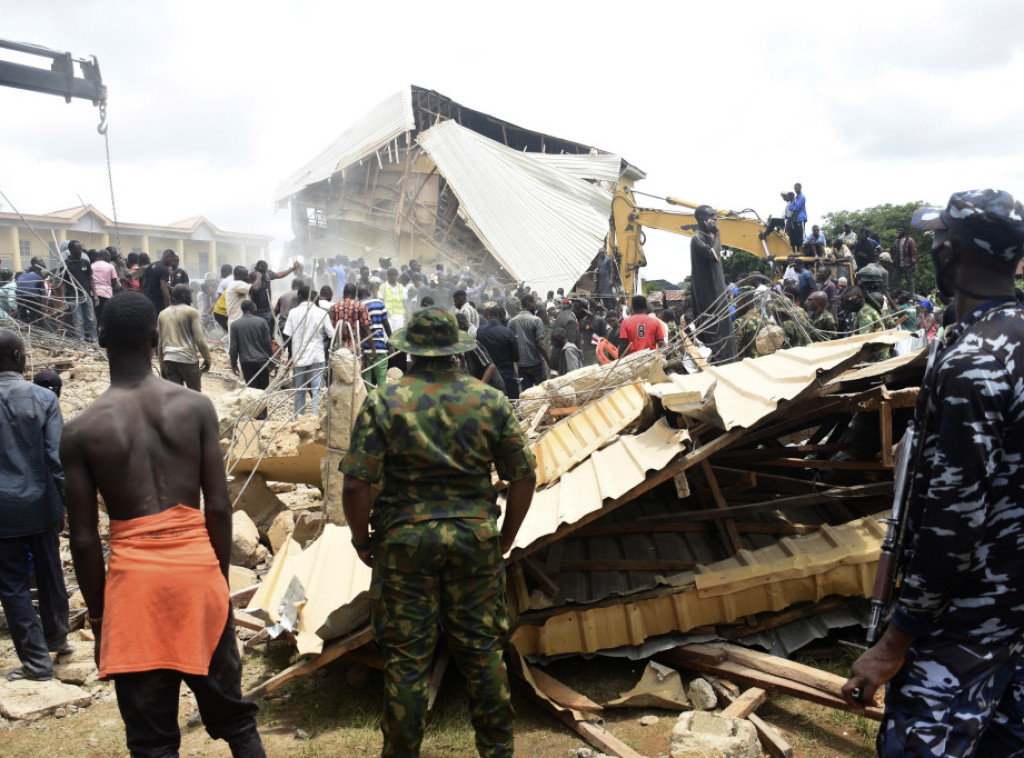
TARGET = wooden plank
(885,424)
(838,465)
(331,652)
(563,412)
(247,621)
(746,703)
(627,565)
(261,635)
(797,672)
(730,536)
(768,682)
(547,585)
(560,693)
(240,598)
(603,740)
(437,675)
(776,483)
(773,742)
(520,598)
(874,489)
(553,561)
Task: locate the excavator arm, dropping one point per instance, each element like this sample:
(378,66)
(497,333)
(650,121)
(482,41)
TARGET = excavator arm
(59,79)
(625,240)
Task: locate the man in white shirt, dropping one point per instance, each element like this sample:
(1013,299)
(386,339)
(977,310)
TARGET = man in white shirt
(463,306)
(226,277)
(235,294)
(307,327)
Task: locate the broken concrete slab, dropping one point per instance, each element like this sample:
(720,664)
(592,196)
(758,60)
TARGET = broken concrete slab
(254,496)
(240,577)
(308,526)
(281,530)
(245,538)
(27,701)
(698,734)
(76,672)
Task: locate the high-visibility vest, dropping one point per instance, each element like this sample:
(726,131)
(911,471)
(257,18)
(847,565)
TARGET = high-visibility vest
(221,306)
(394,299)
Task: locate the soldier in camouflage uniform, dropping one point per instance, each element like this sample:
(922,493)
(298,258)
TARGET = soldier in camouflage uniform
(436,550)
(862,316)
(954,649)
(821,321)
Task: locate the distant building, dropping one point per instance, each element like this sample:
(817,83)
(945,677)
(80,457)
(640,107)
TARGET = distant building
(422,176)
(201,246)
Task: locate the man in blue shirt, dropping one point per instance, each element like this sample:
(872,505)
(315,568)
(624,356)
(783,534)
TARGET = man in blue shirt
(798,210)
(31,292)
(805,280)
(31,509)
(814,243)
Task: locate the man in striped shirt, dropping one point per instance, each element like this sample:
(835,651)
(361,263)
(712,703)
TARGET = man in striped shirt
(376,361)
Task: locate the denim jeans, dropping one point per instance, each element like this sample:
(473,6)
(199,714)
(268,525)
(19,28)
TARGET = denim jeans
(34,636)
(308,378)
(84,312)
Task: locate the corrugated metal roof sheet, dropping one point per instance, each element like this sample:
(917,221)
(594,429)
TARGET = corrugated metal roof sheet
(377,127)
(741,394)
(605,475)
(602,167)
(330,574)
(835,561)
(573,439)
(542,224)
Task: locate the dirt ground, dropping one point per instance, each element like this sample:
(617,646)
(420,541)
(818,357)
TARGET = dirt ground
(336,712)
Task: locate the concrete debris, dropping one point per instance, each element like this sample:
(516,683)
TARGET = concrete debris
(237,404)
(245,539)
(705,735)
(281,530)
(701,695)
(239,578)
(29,701)
(649,720)
(308,526)
(338,410)
(252,494)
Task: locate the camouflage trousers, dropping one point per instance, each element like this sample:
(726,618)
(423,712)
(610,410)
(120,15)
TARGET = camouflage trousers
(956,698)
(445,575)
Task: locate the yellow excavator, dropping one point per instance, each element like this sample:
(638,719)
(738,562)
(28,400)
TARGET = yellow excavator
(625,240)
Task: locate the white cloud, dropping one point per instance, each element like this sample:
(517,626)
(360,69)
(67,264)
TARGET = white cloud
(213,103)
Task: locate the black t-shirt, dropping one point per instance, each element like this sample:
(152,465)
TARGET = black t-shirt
(261,297)
(180,276)
(79,272)
(156,273)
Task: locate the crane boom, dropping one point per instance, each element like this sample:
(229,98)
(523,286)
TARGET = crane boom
(59,79)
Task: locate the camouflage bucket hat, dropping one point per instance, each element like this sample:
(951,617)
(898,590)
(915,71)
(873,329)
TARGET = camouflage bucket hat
(432,331)
(991,220)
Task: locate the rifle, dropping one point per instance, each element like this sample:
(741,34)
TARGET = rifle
(908,456)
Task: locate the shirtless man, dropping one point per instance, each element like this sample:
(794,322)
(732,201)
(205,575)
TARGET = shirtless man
(149,447)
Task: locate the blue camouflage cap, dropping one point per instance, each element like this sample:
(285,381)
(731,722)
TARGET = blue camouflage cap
(991,220)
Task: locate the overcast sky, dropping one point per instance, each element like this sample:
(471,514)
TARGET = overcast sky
(212,103)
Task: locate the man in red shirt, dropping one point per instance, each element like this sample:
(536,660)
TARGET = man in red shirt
(641,330)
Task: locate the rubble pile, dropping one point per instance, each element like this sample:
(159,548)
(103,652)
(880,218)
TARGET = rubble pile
(738,504)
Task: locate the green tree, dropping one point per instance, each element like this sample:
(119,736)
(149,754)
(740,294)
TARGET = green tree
(740,263)
(884,221)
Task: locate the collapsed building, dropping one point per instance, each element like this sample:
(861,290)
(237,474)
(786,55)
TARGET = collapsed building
(423,177)
(738,504)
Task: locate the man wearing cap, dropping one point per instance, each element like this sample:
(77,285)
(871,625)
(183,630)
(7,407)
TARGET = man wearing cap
(953,648)
(707,282)
(436,550)
(905,259)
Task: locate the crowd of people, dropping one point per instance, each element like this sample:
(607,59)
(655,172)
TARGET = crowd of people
(953,654)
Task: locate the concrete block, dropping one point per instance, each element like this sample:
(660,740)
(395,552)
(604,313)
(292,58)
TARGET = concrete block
(701,695)
(27,701)
(239,578)
(281,529)
(699,734)
(245,538)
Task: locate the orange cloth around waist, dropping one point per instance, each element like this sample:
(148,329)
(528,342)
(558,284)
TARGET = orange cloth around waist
(166,600)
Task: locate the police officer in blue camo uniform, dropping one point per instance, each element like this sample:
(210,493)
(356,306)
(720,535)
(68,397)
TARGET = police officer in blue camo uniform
(953,649)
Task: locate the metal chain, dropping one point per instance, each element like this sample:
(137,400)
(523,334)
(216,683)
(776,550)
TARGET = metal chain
(110,176)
